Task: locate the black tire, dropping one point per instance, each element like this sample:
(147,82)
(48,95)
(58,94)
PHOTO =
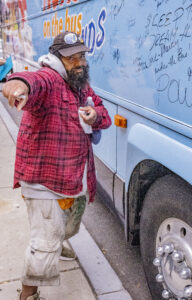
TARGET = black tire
(169,196)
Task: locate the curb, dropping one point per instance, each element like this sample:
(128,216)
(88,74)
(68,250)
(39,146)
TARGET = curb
(104,280)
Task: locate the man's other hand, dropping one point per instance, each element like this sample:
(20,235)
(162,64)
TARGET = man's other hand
(16,91)
(88,115)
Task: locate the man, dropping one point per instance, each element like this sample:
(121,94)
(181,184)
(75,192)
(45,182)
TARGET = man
(54,159)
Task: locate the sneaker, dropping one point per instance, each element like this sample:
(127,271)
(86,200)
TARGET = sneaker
(67,254)
(33,297)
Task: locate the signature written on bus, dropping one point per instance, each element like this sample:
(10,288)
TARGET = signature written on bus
(175,89)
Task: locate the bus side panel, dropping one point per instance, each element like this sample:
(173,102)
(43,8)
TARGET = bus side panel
(140,50)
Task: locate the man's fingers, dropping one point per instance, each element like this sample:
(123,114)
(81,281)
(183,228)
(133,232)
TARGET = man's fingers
(86,108)
(89,118)
(86,119)
(22,102)
(16,90)
(11,100)
(5,90)
(82,116)
(86,116)
(12,97)
(17,95)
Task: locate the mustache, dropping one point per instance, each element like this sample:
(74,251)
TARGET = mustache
(79,68)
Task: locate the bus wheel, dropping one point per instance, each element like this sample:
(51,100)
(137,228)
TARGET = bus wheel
(166,238)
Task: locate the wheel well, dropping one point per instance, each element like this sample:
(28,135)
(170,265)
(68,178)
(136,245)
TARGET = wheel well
(144,174)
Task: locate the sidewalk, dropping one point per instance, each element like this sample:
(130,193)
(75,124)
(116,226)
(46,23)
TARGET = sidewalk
(90,277)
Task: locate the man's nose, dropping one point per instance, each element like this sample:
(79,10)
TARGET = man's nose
(80,63)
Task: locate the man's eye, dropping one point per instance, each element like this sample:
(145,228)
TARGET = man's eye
(73,59)
(70,58)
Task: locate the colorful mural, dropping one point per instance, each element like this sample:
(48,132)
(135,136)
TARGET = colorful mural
(17,35)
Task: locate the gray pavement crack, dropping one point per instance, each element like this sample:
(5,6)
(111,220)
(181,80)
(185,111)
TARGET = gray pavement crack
(68,270)
(9,280)
(17,279)
(112,292)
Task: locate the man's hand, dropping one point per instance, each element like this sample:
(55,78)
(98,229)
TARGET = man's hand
(88,115)
(16,90)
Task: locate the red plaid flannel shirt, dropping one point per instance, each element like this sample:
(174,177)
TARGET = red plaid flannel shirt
(52,148)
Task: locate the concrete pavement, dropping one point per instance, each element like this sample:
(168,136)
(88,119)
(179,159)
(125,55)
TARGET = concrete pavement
(90,277)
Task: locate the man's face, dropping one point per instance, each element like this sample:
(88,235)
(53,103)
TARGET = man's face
(77,69)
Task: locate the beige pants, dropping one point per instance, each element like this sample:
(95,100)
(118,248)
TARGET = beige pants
(49,225)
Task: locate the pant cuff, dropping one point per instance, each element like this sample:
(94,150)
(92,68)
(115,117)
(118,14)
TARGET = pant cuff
(41,282)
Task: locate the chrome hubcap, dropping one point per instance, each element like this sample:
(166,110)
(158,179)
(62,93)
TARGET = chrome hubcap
(174,259)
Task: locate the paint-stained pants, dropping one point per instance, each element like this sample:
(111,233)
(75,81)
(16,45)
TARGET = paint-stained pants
(50,226)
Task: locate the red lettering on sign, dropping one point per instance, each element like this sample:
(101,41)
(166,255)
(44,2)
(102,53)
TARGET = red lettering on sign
(47,4)
(55,3)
